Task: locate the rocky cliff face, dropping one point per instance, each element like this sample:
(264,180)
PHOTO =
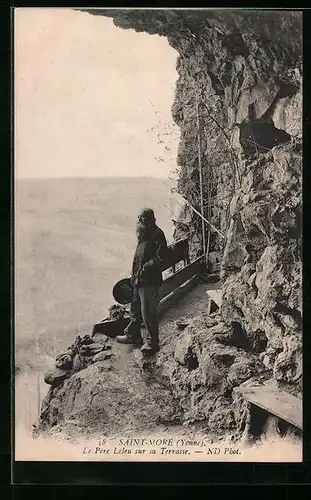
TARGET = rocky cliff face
(241,71)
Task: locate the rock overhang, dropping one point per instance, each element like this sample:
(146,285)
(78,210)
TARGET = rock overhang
(272,25)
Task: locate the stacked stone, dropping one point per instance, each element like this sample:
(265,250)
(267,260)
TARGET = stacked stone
(83,352)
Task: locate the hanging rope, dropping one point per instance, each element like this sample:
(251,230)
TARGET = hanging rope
(209,215)
(194,209)
(201,175)
(200,215)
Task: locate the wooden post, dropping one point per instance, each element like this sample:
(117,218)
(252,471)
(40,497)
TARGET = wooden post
(201,177)
(209,215)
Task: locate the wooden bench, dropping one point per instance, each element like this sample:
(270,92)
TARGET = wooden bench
(179,284)
(175,286)
(177,252)
(275,402)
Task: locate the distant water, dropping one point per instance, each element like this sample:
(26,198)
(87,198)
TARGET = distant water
(74,238)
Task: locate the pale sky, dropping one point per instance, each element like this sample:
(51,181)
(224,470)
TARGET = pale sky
(86,94)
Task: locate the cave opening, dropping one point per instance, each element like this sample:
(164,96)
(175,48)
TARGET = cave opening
(260,135)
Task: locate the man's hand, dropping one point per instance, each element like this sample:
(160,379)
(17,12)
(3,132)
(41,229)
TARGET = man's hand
(148,264)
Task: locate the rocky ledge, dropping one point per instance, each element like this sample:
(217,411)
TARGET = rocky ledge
(244,71)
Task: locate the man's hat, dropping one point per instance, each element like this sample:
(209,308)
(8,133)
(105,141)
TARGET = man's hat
(123,291)
(148,213)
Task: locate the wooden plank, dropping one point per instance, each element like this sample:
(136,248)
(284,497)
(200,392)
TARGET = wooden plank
(111,328)
(278,403)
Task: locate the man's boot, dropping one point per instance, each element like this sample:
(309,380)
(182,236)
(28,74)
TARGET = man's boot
(147,348)
(150,347)
(127,339)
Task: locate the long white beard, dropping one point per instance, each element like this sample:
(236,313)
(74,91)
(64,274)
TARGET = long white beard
(143,231)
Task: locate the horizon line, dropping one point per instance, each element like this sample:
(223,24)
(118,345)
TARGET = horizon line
(94,177)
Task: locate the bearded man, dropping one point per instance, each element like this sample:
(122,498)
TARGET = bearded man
(146,280)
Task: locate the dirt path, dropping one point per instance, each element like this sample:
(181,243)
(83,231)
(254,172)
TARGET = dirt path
(149,398)
(124,397)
